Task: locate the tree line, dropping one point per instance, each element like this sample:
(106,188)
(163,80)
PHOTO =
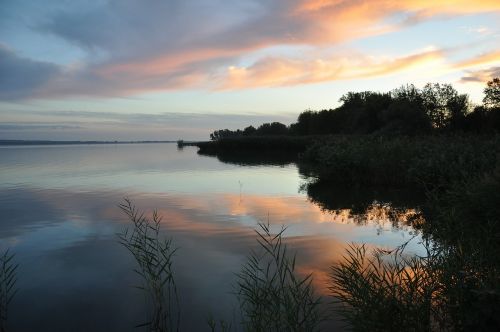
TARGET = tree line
(406,110)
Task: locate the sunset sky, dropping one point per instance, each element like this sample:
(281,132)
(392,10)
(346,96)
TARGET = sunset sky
(137,70)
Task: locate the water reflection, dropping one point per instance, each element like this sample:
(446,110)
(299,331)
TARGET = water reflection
(59,214)
(397,208)
(254,158)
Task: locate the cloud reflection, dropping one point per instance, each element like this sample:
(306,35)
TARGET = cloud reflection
(78,261)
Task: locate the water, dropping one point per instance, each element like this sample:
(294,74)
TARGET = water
(59,214)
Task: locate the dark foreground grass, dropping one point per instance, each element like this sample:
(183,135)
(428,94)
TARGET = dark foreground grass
(272,297)
(154,256)
(8,280)
(388,291)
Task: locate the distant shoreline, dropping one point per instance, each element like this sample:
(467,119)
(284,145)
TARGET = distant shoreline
(47,142)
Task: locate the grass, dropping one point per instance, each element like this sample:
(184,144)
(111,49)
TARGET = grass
(272,297)
(154,257)
(8,280)
(387,291)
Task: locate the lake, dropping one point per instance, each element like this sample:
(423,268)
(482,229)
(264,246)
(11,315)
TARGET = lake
(60,216)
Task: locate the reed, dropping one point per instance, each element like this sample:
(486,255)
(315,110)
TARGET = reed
(154,257)
(8,280)
(272,296)
(388,290)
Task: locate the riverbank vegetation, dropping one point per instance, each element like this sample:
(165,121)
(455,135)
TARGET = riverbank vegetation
(424,162)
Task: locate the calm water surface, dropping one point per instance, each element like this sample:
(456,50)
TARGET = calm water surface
(59,214)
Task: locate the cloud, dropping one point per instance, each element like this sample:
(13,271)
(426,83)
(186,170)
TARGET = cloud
(21,77)
(135,47)
(481,76)
(102,125)
(284,72)
(483,59)
(481,68)
(35,126)
(172,118)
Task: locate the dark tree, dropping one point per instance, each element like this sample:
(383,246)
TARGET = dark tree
(443,104)
(274,128)
(304,123)
(250,130)
(492,93)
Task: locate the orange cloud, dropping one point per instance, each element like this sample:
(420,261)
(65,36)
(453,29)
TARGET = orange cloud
(483,59)
(285,72)
(344,20)
(303,23)
(187,50)
(446,6)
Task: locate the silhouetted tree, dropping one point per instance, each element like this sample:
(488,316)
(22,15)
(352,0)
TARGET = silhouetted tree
(304,123)
(248,131)
(443,104)
(406,110)
(274,128)
(223,133)
(492,93)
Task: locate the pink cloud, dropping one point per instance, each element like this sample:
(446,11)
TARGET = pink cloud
(190,45)
(286,72)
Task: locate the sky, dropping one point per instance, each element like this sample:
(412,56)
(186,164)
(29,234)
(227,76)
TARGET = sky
(166,70)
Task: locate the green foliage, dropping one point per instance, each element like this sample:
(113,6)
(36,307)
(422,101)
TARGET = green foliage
(387,291)
(272,297)
(8,280)
(154,258)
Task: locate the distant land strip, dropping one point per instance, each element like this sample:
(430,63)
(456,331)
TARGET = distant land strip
(46,142)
